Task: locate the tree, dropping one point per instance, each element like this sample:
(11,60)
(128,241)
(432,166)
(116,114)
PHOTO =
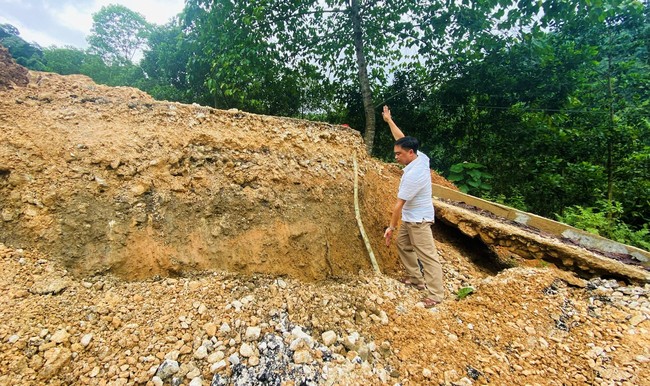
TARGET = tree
(118,34)
(65,60)
(165,63)
(26,54)
(234,57)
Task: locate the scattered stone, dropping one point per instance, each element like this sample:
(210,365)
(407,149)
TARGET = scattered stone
(60,336)
(637,319)
(254,360)
(246,350)
(55,359)
(210,328)
(201,352)
(218,366)
(252,333)
(302,356)
(167,369)
(216,356)
(329,338)
(50,286)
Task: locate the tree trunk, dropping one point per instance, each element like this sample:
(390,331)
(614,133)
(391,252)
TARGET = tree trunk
(366,93)
(610,139)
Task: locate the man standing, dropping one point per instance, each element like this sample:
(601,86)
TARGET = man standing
(414,239)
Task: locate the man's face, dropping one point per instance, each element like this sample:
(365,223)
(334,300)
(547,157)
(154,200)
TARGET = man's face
(403,156)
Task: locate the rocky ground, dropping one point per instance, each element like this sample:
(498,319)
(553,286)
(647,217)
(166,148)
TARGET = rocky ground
(154,243)
(522,326)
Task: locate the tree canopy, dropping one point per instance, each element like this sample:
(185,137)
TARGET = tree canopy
(118,34)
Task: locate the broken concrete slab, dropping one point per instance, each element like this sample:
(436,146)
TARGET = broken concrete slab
(520,241)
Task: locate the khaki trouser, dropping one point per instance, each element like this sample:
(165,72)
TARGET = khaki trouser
(415,242)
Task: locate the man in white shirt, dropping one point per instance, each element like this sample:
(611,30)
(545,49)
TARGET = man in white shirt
(414,206)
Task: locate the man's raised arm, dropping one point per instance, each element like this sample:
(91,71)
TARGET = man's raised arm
(397,133)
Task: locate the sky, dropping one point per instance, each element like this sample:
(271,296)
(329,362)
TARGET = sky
(68,22)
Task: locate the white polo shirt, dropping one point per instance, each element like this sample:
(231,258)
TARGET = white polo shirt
(415,189)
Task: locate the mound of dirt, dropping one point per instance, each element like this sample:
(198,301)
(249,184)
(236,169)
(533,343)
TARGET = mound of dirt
(108,179)
(11,74)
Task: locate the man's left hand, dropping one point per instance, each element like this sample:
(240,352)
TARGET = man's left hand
(388,236)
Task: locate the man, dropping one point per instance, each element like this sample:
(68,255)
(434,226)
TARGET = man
(414,205)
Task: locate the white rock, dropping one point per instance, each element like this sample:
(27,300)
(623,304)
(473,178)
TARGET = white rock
(173,355)
(302,356)
(60,336)
(167,369)
(298,336)
(350,341)
(218,366)
(384,317)
(234,359)
(216,356)
(196,381)
(201,352)
(13,339)
(95,371)
(157,381)
(329,338)
(225,328)
(252,333)
(254,360)
(85,340)
(426,373)
(246,350)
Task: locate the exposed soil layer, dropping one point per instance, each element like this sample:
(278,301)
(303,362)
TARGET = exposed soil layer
(11,74)
(107,179)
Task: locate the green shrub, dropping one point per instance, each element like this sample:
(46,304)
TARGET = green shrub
(604,220)
(470,178)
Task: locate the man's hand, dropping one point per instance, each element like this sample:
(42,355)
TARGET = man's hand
(386,114)
(388,235)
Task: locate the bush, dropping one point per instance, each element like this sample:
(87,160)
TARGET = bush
(604,220)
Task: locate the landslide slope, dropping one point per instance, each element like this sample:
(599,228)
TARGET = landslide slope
(108,179)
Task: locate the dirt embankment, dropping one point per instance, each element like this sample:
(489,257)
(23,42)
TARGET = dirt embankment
(108,179)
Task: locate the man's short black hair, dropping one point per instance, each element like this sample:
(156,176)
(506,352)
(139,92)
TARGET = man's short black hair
(408,143)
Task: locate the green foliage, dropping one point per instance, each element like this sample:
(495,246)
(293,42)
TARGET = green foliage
(516,200)
(237,63)
(464,292)
(26,54)
(470,178)
(604,220)
(64,61)
(165,64)
(117,34)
